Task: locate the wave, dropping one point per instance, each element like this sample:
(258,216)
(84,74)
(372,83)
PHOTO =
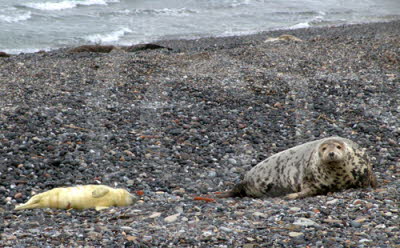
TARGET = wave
(67,4)
(108,37)
(165,11)
(300,25)
(314,21)
(15,18)
(25,50)
(236,3)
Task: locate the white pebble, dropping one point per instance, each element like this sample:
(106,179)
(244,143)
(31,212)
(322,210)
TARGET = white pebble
(295,234)
(334,201)
(155,215)
(305,222)
(171,218)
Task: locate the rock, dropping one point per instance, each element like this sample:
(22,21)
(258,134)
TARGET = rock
(258,214)
(130,238)
(172,218)
(92,49)
(4,55)
(358,202)
(380,226)
(361,219)
(295,209)
(155,215)
(305,222)
(142,47)
(296,234)
(250,245)
(232,161)
(18,196)
(147,238)
(212,174)
(355,224)
(333,221)
(225,229)
(334,201)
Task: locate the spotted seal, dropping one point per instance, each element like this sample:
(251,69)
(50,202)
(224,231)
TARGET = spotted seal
(314,168)
(80,197)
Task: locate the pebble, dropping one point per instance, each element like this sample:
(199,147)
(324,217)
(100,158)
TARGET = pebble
(18,196)
(201,136)
(305,222)
(155,215)
(258,214)
(334,201)
(225,229)
(147,238)
(212,174)
(296,234)
(232,161)
(355,224)
(361,220)
(358,202)
(172,218)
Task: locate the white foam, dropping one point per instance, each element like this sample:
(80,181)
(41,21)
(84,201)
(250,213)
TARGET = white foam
(239,3)
(67,4)
(108,37)
(167,11)
(300,25)
(24,50)
(16,18)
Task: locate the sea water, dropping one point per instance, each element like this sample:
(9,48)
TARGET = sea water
(32,25)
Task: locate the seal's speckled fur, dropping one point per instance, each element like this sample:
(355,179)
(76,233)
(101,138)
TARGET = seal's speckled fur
(317,167)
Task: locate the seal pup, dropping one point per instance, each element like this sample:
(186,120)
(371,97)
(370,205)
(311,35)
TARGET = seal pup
(317,167)
(80,197)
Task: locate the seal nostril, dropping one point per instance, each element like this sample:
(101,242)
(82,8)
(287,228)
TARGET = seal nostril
(331,154)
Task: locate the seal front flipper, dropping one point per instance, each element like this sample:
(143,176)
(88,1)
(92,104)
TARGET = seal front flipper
(100,192)
(98,208)
(302,194)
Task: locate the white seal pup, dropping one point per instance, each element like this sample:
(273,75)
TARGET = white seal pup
(317,167)
(80,197)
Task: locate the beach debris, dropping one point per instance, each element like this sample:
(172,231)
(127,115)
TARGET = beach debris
(92,49)
(4,55)
(142,47)
(284,37)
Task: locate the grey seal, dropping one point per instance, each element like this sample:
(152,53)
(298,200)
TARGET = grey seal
(314,168)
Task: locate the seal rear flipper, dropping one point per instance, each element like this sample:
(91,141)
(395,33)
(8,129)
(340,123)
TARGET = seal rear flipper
(27,206)
(238,191)
(32,203)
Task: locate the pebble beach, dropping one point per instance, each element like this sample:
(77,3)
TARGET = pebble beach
(175,124)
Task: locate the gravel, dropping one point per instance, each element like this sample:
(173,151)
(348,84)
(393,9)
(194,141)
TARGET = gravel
(172,125)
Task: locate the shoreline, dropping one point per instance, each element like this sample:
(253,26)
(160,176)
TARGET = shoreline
(181,123)
(226,39)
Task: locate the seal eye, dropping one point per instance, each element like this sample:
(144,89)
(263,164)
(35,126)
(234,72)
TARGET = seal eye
(324,148)
(339,147)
